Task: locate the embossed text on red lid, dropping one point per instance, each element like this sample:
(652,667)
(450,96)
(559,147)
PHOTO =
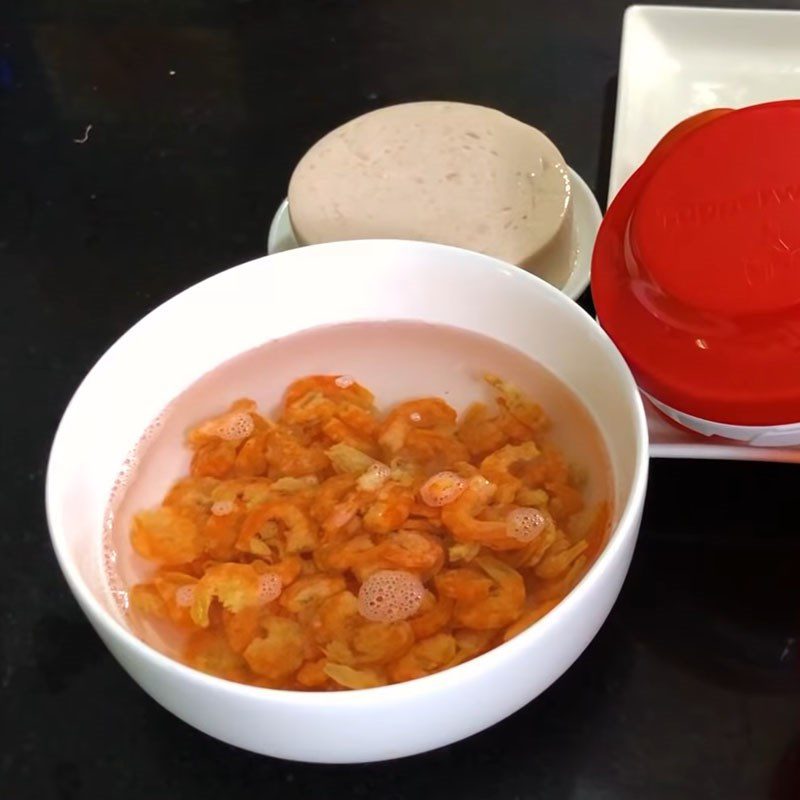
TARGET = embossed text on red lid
(718,224)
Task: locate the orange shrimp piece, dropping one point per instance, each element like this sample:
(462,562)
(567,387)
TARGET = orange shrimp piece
(390,510)
(424,414)
(534,551)
(288,569)
(193,494)
(464,584)
(564,501)
(497,468)
(250,459)
(531,415)
(306,593)
(504,603)
(287,455)
(558,588)
(221,533)
(338,431)
(555,564)
(312,674)
(463,551)
(532,498)
(358,419)
(344,556)
(407,550)
(335,407)
(329,386)
(242,627)
(280,651)
(145,597)
(337,618)
(235,424)
(281,520)
(470,643)
(434,614)
(236,586)
(461,518)
(167,535)
(214,459)
(435,449)
(480,432)
(343,519)
(331,492)
(177,591)
(550,467)
(209,651)
(424,658)
(312,408)
(377,643)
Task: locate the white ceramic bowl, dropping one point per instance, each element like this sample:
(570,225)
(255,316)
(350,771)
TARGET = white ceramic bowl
(278,295)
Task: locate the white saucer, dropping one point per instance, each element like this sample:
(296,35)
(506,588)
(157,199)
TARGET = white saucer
(586,220)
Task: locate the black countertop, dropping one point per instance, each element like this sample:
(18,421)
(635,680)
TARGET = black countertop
(198,111)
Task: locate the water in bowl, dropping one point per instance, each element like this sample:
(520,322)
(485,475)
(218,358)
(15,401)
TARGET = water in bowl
(396,360)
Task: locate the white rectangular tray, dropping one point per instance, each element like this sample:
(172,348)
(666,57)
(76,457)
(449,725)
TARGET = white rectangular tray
(675,62)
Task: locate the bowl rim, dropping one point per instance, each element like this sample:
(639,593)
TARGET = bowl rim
(111,629)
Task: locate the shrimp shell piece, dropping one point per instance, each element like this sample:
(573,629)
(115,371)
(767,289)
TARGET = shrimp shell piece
(352,678)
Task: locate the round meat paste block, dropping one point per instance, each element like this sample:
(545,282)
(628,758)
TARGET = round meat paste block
(443,172)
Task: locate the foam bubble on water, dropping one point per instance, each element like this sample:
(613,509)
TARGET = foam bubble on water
(270,587)
(238,425)
(390,595)
(525,524)
(344,381)
(222,508)
(184,596)
(124,478)
(115,586)
(442,488)
(374,477)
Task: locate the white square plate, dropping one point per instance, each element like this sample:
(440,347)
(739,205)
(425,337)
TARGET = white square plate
(676,62)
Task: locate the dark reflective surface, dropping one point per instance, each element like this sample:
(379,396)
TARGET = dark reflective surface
(690,690)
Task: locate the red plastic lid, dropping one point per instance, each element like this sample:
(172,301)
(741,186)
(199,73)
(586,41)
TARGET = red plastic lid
(696,268)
